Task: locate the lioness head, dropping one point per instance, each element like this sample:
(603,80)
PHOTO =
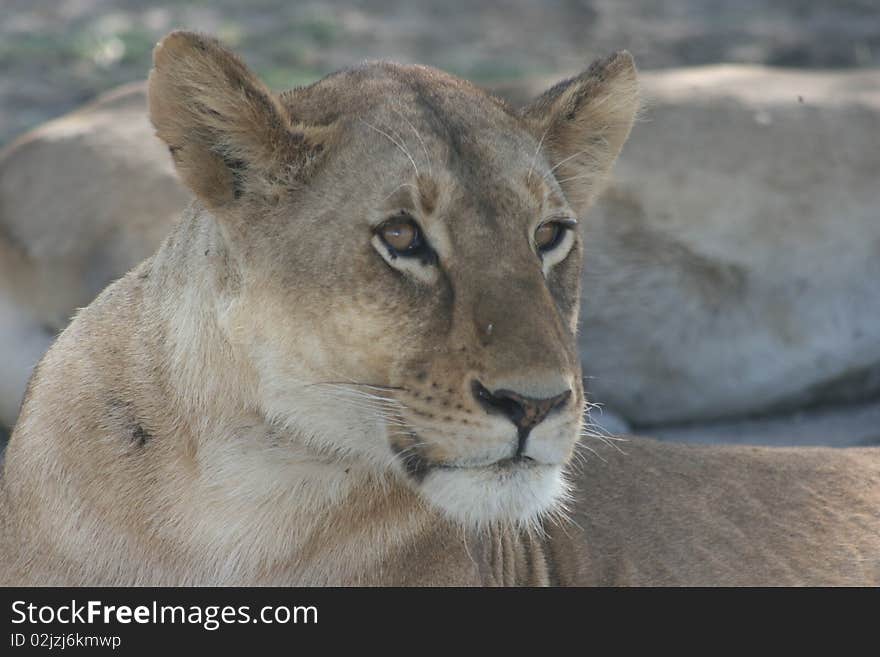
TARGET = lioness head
(402,261)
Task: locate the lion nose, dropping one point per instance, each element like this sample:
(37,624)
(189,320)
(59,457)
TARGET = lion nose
(525,412)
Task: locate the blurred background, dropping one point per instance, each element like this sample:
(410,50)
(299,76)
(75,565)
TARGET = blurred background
(57,54)
(732,289)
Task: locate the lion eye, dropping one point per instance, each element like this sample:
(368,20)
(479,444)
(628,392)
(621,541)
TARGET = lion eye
(401,234)
(549,235)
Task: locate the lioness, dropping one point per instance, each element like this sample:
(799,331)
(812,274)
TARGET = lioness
(354,362)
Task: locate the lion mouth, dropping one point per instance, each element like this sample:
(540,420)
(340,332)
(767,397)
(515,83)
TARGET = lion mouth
(508,463)
(418,467)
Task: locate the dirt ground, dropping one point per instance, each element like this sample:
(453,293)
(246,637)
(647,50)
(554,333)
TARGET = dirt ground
(57,54)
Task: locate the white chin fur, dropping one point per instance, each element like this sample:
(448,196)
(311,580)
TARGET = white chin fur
(479,497)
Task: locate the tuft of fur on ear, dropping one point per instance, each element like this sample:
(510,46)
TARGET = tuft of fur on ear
(582,124)
(228,134)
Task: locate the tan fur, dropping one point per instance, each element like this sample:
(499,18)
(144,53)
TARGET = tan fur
(272,399)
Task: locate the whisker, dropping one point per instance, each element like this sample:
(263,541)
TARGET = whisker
(421,141)
(401,186)
(396,143)
(570,157)
(592,451)
(377,386)
(583,175)
(535,156)
(402,142)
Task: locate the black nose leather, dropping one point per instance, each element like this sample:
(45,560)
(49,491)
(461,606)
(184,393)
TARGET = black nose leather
(525,412)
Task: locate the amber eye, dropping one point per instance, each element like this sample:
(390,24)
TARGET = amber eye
(401,234)
(549,235)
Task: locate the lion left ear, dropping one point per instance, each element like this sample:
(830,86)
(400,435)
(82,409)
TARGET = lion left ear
(228,134)
(582,124)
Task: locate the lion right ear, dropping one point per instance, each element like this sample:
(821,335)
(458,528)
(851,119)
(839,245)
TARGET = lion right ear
(228,134)
(582,124)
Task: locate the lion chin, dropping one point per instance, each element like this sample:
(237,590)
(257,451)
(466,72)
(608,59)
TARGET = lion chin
(518,493)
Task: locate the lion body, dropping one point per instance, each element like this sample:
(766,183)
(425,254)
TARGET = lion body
(278,396)
(113,197)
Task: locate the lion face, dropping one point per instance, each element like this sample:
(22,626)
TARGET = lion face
(407,261)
